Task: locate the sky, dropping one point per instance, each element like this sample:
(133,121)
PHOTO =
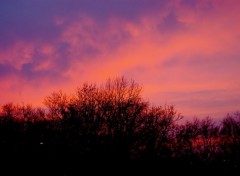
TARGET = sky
(183,52)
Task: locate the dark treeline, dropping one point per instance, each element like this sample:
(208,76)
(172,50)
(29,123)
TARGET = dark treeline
(111,123)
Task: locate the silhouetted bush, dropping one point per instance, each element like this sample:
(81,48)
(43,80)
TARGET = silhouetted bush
(112,122)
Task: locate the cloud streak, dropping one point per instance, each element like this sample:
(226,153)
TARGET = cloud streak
(183,52)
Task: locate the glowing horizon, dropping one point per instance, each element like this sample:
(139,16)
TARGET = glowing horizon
(182,52)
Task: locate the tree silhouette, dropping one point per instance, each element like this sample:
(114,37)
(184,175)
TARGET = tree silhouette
(112,122)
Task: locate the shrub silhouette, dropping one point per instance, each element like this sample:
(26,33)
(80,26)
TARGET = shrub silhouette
(113,122)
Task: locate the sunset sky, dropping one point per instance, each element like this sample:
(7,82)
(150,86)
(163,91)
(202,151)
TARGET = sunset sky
(183,52)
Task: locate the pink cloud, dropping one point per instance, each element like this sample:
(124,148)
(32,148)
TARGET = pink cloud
(173,52)
(18,55)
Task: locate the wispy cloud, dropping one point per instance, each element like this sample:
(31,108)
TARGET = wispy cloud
(175,49)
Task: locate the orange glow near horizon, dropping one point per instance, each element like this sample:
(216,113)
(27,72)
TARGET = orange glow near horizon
(189,58)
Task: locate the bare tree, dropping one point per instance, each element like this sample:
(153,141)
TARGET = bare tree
(57,104)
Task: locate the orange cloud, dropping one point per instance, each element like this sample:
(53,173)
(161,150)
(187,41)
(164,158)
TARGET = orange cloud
(177,51)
